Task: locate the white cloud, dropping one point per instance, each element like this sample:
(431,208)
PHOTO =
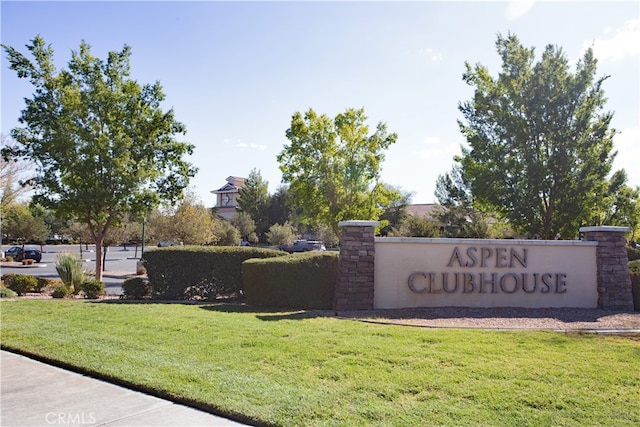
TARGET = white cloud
(245,145)
(252,146)
(518,8)
(434,148)
(431,54)
(617,43)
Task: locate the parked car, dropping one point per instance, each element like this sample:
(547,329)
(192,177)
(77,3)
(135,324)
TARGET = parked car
(303,246)
(29,252)
(165,243)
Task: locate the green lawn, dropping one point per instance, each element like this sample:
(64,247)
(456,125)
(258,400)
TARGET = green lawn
(291,369)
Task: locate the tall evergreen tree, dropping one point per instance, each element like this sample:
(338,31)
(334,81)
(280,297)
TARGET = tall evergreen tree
(540,144)
(253,199)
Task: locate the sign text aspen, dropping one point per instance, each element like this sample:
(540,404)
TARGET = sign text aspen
(495,270)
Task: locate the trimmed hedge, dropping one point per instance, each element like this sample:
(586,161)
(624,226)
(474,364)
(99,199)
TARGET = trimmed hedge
(302,281)
(199,272)
(635,290)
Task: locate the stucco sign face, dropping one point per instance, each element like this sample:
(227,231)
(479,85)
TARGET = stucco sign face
(484,273)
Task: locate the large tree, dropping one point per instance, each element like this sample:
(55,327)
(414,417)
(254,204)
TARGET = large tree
(621,205)
(102,145)
(279,209)
(19,224)
(189,222)
(333,167)
(253,199)
(540,144)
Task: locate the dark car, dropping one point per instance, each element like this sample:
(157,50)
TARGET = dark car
(29,252)
(303,246)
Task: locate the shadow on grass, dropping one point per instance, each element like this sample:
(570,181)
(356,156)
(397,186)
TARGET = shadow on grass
(566,315)
(266,314)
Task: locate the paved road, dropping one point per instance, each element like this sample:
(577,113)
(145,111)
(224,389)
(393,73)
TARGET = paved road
(119,263)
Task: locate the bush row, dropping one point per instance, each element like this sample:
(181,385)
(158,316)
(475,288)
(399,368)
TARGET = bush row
(199,272)
(25,283)
(304,281)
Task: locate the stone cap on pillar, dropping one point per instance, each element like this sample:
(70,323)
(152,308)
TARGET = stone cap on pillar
(606,228)
(358,223)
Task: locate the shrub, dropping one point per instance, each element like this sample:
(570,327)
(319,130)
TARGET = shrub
(61,291)
(92,288)
(135,288)
(283,234)
(185,272)
(20,283)
(633,253)
(6,292)
(7,278)
(69,268)
(296,281)
(45,284)
(634,266)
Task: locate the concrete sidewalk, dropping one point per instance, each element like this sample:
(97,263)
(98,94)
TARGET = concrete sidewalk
(36,394)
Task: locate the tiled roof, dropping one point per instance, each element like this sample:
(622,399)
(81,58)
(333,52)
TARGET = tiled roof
(428,210)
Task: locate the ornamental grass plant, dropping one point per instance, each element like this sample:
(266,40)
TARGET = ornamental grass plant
(69,268)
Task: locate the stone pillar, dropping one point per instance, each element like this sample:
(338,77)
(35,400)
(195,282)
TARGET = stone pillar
(614,281)
(354,285)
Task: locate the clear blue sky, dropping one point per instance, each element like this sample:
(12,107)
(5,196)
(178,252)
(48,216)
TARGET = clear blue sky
(235,72)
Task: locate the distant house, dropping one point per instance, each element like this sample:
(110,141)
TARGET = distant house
(428,211)
(227,196)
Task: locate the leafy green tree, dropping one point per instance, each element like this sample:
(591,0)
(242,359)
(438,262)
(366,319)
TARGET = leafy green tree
(540,146)
(621,203)
(395,210)
(279,209)
(333,167)
(253,199)
(413,226)
(79,232)
(192,223)
(189,222)
(281,234)
(327,236)
(54,223)
(102,145)
(458,215)
(245,225)
(19,224)
(224,233)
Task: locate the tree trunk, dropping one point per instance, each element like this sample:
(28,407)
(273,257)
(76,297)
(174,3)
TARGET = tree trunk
(99,238)
(104,258)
